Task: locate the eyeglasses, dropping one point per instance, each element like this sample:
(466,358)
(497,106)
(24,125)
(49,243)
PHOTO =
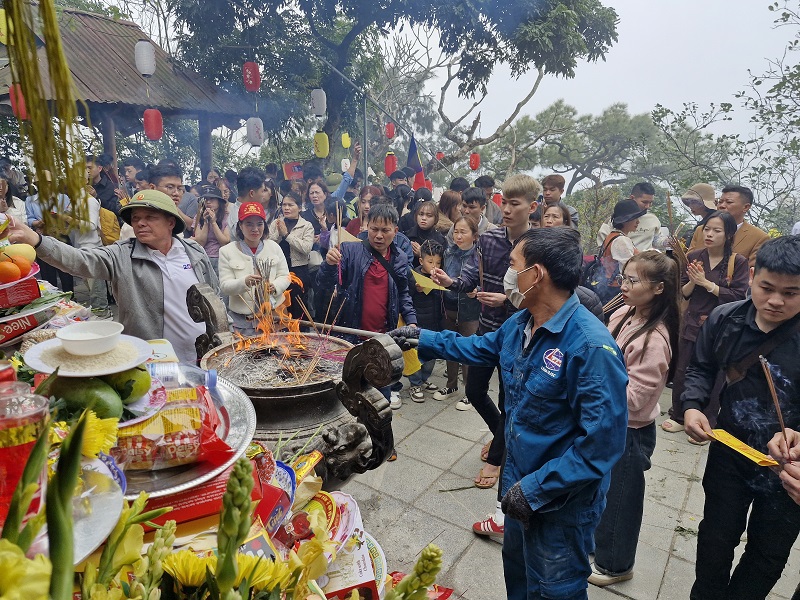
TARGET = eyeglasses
(631,281)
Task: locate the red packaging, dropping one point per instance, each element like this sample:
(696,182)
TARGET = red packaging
(13,328)
(435,592)
(22,293)
(293,170)
(206,500)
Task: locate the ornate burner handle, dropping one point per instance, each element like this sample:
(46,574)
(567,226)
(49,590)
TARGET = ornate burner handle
(376,363)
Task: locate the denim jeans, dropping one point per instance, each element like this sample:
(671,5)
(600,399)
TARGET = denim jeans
(423,374)
(733,485)
(618,532)
(477,394)
(550,557)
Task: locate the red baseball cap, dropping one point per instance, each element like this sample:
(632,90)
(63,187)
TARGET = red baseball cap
(251,209)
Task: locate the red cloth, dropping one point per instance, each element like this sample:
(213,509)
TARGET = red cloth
(375,294)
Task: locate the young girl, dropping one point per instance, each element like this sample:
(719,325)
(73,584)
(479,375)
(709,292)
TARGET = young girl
(211,223)
(365,196)
(237,268)
(715,275)
(556,215)
(429,312)
(646,330)
(461,310)
(295,236)
(423,230)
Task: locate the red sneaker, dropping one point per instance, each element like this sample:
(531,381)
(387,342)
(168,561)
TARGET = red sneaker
(489,528)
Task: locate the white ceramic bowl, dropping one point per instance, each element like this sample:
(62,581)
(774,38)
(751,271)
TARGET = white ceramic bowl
(89,338)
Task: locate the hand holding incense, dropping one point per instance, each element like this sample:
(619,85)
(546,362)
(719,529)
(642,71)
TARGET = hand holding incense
(771,384)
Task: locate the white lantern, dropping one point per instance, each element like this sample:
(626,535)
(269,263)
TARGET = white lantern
(145,58)
(255,131)
(319,103)
(345,164)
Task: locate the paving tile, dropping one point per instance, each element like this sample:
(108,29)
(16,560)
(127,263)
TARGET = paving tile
(696,498)
(678,579)
(658,526)
(470,464)
(402,427)
(420,412)
(459,507)
(378,509)
(405,479)
(434,447)
(666,487)
(676,454)
(466,424)
(478,575)
(648,572)
(596,593)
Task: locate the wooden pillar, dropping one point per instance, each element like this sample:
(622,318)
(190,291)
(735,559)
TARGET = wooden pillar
(109,130)
(204,130)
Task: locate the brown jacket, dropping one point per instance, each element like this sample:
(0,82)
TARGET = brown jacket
(746,242)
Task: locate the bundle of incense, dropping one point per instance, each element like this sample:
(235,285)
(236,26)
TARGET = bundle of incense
(774,394)
(613,304)
(677,249)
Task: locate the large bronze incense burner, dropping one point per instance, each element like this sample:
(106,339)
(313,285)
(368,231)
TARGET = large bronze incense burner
(317,391)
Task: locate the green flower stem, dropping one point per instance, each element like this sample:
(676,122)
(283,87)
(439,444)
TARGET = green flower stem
(234,524)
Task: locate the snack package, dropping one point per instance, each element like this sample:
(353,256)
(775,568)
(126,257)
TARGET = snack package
(181,433)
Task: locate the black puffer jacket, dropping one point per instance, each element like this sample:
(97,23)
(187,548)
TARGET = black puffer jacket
(591,301)
(429,307)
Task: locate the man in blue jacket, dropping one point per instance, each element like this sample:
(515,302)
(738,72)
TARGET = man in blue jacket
(566,415)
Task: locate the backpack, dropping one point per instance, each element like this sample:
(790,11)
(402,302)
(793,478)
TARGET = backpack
(599,275)
(109,227)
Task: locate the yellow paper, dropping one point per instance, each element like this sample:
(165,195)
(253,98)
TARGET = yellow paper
(426,283)
(411,362)
(762,460)
(346,236)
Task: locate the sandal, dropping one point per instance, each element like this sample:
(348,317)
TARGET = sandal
(486,486)
(485,451)
(696,443)
(671,426)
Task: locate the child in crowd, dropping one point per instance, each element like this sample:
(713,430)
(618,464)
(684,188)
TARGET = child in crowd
(556,215)
(740,495)
(424,229)
(429,309)
(646,330)
(365,196)
(462,309)
(238,272)
(714,276)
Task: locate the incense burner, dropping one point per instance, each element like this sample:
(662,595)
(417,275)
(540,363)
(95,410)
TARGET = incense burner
(339,411)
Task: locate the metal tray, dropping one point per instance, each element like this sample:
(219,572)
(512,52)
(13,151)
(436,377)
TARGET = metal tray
(238,418)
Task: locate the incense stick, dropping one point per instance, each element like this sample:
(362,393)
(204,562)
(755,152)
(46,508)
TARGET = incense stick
(771,384)
(614,303)
(669,213)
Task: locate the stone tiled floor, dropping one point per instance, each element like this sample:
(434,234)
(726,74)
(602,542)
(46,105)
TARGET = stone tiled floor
(427,496)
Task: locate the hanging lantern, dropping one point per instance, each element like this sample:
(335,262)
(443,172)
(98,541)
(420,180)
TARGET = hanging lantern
(439,156)
(319,102)
(153,124)
(429,184)
(345,164)
(145,55)
(18,101)
(251,76)
(255,131)
(389,130)
(474,161)
(346,140)
(390,163)
(321,144)
(3,27)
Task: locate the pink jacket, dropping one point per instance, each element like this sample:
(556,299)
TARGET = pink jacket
(647,368)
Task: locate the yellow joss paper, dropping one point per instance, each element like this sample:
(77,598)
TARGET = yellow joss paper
(761,459)
(346,236)
(426,283)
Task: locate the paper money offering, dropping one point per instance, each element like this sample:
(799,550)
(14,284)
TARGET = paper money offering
(761,459)
(426,283)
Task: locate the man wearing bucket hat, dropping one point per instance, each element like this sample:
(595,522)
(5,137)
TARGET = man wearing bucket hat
(646,234)
(701,200)
(149,274)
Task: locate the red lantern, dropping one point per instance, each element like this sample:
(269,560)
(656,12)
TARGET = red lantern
(153,124)
(390,163)
(439,155)
(497,198)
(474,161)
(252,76)
(18,101)
(389,130)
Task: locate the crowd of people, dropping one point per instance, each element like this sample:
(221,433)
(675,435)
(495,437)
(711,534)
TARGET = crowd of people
(574,422)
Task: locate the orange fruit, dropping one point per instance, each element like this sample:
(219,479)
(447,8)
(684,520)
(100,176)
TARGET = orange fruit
(23,263)
(9,272)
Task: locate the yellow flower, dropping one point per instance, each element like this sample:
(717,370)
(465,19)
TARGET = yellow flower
(100,592)
(21,578)
(16,362)
(188,569)
(100,436)
(262,573)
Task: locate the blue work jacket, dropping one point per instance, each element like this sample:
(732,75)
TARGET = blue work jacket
(565,402)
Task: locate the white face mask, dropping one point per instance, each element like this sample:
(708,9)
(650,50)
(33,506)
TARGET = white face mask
(511,286)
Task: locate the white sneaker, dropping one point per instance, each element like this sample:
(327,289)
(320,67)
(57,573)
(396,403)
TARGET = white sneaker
(429,387)
(463,404)
(417,394)
(395,402)
(445,393)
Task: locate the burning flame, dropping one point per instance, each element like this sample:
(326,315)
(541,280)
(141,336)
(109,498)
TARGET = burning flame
(273,320)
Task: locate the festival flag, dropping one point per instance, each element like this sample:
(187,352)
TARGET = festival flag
(415,163)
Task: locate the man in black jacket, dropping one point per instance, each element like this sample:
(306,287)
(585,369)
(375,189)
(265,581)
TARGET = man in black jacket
(732,339)
(104,188)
